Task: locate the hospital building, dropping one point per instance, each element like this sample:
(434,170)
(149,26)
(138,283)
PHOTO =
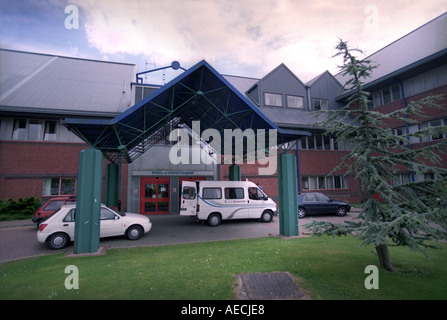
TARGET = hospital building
(52,106)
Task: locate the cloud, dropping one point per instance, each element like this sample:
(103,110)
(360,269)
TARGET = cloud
(247,35)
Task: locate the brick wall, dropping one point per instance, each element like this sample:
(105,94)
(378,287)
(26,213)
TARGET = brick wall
(24,165)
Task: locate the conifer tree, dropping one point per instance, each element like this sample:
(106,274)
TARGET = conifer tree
(391,214)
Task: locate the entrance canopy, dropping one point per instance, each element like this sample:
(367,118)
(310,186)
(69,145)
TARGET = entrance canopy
(198,94)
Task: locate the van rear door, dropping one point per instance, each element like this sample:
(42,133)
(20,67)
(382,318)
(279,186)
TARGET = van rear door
(188,202)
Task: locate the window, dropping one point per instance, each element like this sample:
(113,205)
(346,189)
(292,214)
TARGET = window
(107,214)
(399,132)
(212,193)
(433,124)
(272,99)
(19,129)
(321,182)
(142,92)
(377,98)
(256,194)
(58,186)
(321,197)
(324,182)
(234,193)
(34,130)
(320,104)
(318,142)
(50,131)
(310,197)
(401,178)
(295,102)
(189,193)
(395,92)
(54,205)
(71,215)
(386,95)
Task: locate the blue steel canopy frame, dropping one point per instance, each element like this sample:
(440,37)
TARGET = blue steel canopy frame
(200,93)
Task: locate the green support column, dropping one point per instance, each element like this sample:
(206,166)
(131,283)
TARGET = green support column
(235,173)
(287,189)
(111,185)
(88,202)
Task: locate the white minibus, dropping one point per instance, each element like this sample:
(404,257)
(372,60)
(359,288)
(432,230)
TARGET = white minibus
(214,201)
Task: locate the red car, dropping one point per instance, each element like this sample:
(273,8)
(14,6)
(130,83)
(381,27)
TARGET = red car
(50,207)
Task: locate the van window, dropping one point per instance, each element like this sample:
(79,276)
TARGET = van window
(256,194)
(212,193)
(188,193)
(234,193)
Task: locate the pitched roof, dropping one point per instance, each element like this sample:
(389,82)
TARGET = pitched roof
(41,83)
(426,45)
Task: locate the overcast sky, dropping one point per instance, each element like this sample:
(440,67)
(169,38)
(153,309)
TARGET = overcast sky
(238,37)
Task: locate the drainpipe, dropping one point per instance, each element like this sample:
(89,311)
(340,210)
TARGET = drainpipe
(407,130)
(298,173)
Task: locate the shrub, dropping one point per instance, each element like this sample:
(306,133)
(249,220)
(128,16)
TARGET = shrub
(18,209)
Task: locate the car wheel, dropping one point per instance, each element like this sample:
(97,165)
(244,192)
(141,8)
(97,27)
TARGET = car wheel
(134,232)
(214,219)
(58,241)
(301,213)
(341,211)
(266,216)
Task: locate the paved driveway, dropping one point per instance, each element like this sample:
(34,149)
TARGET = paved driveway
(18,238)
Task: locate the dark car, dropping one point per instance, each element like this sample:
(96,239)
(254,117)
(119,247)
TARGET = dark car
(50,207)
(318,203)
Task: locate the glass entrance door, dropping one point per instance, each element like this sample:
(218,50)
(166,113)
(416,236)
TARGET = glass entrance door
(154,195)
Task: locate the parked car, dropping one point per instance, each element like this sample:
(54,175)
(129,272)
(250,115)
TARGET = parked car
(51,206)
(318,203)
(58,230)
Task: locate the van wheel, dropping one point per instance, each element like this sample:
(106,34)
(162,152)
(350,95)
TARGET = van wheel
(267,216)
(214,219)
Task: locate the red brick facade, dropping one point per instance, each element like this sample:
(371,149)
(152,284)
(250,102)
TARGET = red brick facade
(24,165)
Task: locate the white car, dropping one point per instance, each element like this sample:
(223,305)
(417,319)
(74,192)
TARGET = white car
(58,230)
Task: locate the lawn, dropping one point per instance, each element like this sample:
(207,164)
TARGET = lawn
(326,268)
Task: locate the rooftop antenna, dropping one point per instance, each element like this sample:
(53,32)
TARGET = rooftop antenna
(174,65)
(147,63)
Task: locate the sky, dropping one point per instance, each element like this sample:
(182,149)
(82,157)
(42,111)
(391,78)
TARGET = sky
(237,37)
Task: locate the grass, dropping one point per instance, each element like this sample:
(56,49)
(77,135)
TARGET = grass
(326,268)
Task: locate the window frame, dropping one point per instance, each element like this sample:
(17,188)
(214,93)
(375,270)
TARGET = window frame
(323,104)
(218,193)
(292,105)
(270,103)
(234,193)
(59,187)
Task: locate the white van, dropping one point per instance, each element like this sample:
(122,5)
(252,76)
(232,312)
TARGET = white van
(215,201)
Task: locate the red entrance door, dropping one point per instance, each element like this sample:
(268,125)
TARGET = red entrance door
(154,195)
